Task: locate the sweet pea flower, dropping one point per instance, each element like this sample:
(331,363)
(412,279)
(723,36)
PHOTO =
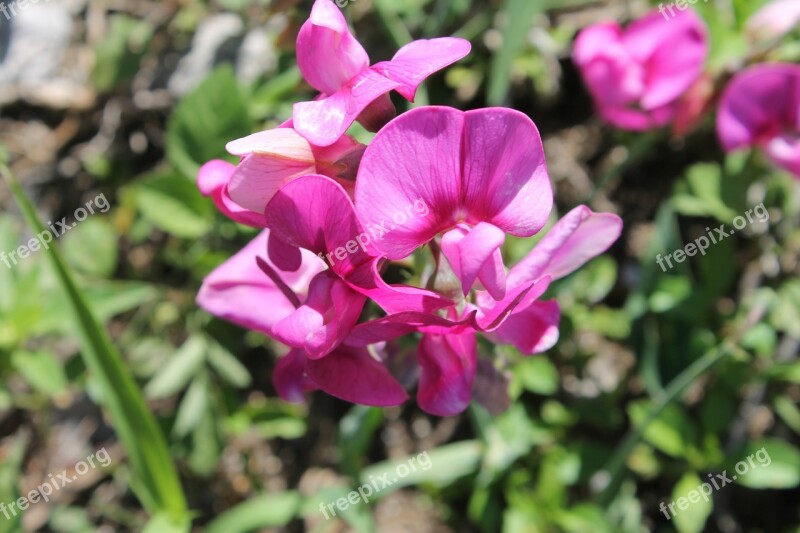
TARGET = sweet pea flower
(268,160)
(637,75)
(333,62)
(447,355)
(761,107)
(251,291)
(482,173)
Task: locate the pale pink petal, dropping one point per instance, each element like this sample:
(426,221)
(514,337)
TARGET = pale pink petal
(327,53)
(784,151)
(531,330)
(419,59)
(414,158)
(258,177)
(324,121)
(774,19)
(470,251)
(239,292)
(447,372)
(279,142)
(212,180)
(351,374)
(505,180)
(575,239)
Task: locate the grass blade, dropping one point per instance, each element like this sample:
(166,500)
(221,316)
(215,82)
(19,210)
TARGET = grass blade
(156,480)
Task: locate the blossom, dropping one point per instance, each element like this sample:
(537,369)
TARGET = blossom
(761,107)
(300,309)
(482,173)
(774,19)
(637,76)
(333,62)
(268,160)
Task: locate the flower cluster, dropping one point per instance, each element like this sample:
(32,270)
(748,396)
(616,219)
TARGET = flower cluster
(651,74)
(436,182)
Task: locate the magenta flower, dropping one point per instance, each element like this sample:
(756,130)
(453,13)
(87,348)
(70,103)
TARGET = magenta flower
(482,173)
(636,76)
(334,63)
(251,291)
(761,107)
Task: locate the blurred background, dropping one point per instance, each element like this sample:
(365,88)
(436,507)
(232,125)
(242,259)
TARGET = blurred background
(127,99)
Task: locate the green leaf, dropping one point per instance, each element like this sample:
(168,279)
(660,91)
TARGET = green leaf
(178,370)
(440,467)
(766,463)
(205,120)
(227,365)
(175,205)
(671,432)
(117,57)
(356,434)
(265,510)
(537,374)
(10,474)
(155,477)
(693,518)
(91,247)
(41,370)
(192,407)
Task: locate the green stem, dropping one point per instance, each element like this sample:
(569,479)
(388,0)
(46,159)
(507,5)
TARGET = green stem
(615,466)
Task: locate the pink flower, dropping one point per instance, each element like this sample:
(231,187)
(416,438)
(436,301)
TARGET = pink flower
(482,173)
(270,159)
(636,76)
(334,63)
(761,107)
(309,309)
(447,355)
(774,19)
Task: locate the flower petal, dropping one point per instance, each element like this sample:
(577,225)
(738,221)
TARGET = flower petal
(327,53)
(314,212)
(324,121)
(414,158)
(289,377)
(419,59)
(531,330)
(238,291)
(505,178)
(259,176)
(212,180)
(578,237)
(447,372)
(351,374)
(470,252)
(324,320)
